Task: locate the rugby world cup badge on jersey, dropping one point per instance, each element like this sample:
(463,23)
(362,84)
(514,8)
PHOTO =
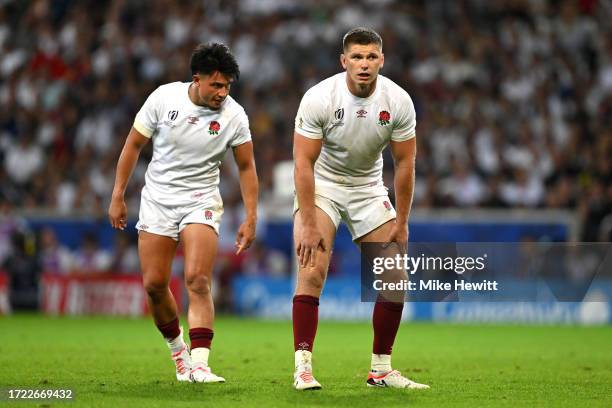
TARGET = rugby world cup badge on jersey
(171,118)
(338,116)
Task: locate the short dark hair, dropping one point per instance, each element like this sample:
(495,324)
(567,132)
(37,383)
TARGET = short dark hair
(362,36)
(208,58)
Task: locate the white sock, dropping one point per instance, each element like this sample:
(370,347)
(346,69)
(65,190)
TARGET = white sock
(303,358)
(200,355)
(176,345)
(381,363)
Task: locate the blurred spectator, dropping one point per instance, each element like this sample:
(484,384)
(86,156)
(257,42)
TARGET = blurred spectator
(23,160)
(525,189)
(90,258)
(54,257)
(463,187)
(267,261)
(23,268)
(125,255)
(9,226)
(593,208)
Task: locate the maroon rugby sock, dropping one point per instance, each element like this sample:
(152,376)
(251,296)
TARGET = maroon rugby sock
(170,330)
(305,319)
(385,320)
(200,337)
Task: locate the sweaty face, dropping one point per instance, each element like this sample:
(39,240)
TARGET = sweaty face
(212,89)
(362,63)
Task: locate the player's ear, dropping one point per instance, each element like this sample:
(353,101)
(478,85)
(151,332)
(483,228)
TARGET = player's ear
(196,79)
(382,60)
(343,60)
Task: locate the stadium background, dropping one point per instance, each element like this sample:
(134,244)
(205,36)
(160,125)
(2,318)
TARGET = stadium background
(514,129)
(513,104)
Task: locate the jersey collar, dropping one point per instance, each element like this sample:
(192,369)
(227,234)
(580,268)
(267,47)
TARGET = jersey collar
(356,99)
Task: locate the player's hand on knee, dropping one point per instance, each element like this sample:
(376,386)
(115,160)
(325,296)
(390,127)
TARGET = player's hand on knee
(309,241)
(399,235)
(245,236)
(117,213)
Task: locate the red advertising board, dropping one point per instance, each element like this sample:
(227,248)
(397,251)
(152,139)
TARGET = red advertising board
(5,306)
(107,295)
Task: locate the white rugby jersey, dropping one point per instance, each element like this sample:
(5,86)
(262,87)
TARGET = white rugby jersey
(354,130)
(189,143)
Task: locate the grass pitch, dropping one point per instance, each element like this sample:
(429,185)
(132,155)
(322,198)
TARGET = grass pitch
(124,362)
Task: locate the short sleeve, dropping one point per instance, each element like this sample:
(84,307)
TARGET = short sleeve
(404,127)
(148,116)
(243,132)
(310,118)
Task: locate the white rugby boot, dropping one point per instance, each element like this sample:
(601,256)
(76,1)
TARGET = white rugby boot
(201,373)
(182,361)
(302,377)
(393,379)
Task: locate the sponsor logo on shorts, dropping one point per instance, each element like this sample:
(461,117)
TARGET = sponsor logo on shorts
(361,113)
(144,227)
(387,205)
(208,215)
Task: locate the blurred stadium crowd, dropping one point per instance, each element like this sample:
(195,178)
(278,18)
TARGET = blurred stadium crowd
(513,98)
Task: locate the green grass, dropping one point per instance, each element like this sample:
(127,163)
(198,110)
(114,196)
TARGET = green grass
(124,362)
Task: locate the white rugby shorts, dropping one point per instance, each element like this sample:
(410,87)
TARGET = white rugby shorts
(169,221)
(362,208)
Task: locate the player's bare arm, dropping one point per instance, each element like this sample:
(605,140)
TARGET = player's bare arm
(404,155)
(117,211)
(249,188)
(305,154)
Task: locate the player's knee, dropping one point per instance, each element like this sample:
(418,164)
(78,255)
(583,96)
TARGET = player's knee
(314,278)
(155,288)
(198,284)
